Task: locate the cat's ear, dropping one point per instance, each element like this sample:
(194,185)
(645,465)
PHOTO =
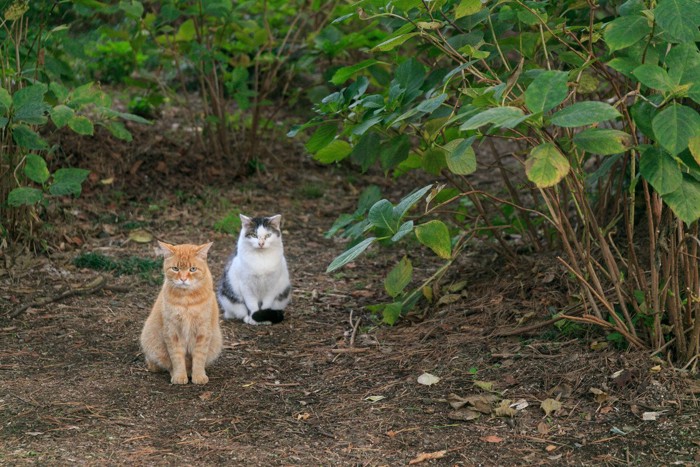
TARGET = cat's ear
(165,249)
(202,250)
(276,221)
(245,220)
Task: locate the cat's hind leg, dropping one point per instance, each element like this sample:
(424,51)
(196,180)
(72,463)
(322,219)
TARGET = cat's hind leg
(232,305)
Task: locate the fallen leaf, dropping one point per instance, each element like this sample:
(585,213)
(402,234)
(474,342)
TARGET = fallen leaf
(550,405)
(562,390)
(484,385)
(550,448)
(505,410)
(449,298)
(481,402)
(655,369)
(599,345)
(519,404)
(600,395)
(542,428)
(651,416)
(457,286)
(303,416)
(491,439)
(391,433)
(464,415)
(374,398)
(606,409)
(107,181)
(205,396)
(427,379)
(426,456)
(140,236)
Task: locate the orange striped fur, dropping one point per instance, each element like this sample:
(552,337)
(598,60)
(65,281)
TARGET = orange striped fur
(182,333)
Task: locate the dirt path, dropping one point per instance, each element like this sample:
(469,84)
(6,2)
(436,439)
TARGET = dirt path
(318,389)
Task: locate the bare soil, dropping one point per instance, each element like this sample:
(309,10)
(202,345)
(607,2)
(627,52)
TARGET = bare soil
(329,385)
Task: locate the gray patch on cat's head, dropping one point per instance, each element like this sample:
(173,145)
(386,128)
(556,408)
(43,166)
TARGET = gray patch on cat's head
(250,225)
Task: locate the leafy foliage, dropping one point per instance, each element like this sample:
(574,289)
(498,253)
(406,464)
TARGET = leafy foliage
(574,85)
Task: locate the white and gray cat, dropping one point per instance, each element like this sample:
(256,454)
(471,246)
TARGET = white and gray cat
(255,285)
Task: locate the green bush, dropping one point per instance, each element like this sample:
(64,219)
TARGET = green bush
(599,105)
(33,103)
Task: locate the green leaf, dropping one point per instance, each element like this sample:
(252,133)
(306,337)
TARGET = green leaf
(343,74)
(366,151)
(653,76)
(394,151)
(81,125)
(24,196)
(186,32)
(436,236)
(68,182)
(350,254)
(27,138)
(679,18)
(410,75)
(336,151)
(674,126)
(468,7)
(133,9)
(506,117)
(399,277)
(603,141)
(683,62)
(35,168)
(624,65)
(61,115)
(59,91)
(5,101)
(461,159)
(694,147)
(584,113)
(660,170)
(626,31)
(433,161)
(322,137)
(432,104)
(118,130)
(685,201)
(381,215)
(643,114)
(392,313)
(393,42)
(546,166)
(546,91)
(408,201)
(29,105)
(405,229)
(361,128)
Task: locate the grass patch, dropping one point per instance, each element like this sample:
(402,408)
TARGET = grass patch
(146,267)
(229,224)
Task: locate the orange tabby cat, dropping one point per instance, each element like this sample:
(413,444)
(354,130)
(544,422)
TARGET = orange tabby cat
(182,333)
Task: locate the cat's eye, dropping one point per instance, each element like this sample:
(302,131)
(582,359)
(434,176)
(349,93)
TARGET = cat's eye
(193,269)
(175,268)
(268,235)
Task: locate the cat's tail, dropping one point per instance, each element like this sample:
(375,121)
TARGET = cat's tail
(272,316)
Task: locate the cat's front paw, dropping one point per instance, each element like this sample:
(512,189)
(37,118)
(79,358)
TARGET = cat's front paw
(200,379)
(250,320)
(179,379)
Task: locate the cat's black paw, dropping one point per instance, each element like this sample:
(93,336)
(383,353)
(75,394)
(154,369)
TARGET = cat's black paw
(272,316)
